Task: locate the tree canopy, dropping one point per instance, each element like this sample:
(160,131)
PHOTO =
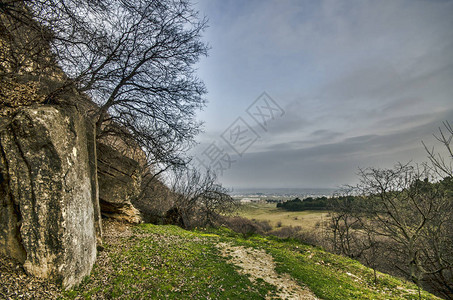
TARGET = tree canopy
(135,59)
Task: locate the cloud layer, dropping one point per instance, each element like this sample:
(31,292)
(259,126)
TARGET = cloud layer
(361,82)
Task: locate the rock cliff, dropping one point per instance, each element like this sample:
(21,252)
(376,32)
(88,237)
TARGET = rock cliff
(49,216)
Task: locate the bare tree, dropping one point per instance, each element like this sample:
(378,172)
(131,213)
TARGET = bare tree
(24,45)
(400,220)
(351,231)
(412,215)
(439,256)
(199,198)
(344,219)
(436,255)
(214,200)
(27,68)
(134,58)
(442,164)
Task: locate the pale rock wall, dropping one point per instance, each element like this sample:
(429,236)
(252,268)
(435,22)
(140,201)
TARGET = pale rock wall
(47,193)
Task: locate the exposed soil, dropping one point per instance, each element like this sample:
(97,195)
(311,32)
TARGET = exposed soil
(258,264)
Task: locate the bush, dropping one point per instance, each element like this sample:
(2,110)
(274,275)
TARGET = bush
(286,232)
(247,227)
(313,238)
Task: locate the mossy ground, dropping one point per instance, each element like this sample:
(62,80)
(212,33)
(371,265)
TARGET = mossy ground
(166,262)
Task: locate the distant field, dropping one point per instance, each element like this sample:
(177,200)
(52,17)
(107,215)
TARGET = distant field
(268,211)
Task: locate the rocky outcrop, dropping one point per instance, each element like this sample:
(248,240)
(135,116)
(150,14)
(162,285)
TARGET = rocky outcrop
(119,180)
(48,193)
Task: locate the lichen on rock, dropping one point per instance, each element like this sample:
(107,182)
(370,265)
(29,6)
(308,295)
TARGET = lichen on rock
(47,212)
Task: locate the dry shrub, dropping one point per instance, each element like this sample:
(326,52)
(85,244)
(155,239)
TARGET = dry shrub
(286,232)
(313,238)
(265,225)
(246,227)
(155,201)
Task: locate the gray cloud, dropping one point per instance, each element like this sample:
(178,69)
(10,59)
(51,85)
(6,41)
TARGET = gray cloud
(361,82)
(332,164)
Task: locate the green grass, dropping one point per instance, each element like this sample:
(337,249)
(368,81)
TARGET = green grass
(166,262)
(328,275)
(308,220)
(335,277)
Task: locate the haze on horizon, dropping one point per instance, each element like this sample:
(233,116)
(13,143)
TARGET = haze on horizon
(361,84)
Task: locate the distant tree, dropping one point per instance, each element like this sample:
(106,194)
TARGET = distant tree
(134,58)
(305,204)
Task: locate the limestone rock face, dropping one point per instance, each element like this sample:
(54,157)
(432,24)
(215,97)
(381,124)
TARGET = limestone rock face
(92,160)
(47,211)
(119,180)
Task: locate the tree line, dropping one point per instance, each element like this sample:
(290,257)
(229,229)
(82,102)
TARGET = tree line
(309,203)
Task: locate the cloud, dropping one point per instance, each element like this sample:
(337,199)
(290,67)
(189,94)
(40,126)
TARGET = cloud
(331,164)
(361,82)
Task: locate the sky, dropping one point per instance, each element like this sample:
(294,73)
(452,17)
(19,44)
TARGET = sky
(347,85)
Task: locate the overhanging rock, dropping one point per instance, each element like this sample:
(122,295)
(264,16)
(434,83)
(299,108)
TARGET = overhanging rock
(119,184)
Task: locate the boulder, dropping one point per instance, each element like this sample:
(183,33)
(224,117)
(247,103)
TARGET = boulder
(47,193)
(119,178)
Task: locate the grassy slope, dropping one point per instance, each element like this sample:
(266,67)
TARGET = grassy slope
(160,262)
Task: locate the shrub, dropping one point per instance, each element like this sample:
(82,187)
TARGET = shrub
(247,227)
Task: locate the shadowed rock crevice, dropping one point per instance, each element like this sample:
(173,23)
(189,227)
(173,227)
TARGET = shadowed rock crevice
(119,180)
(11,217)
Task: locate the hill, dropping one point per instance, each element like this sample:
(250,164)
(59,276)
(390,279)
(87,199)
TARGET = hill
(157,262)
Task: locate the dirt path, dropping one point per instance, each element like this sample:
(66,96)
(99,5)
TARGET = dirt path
(258,264)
